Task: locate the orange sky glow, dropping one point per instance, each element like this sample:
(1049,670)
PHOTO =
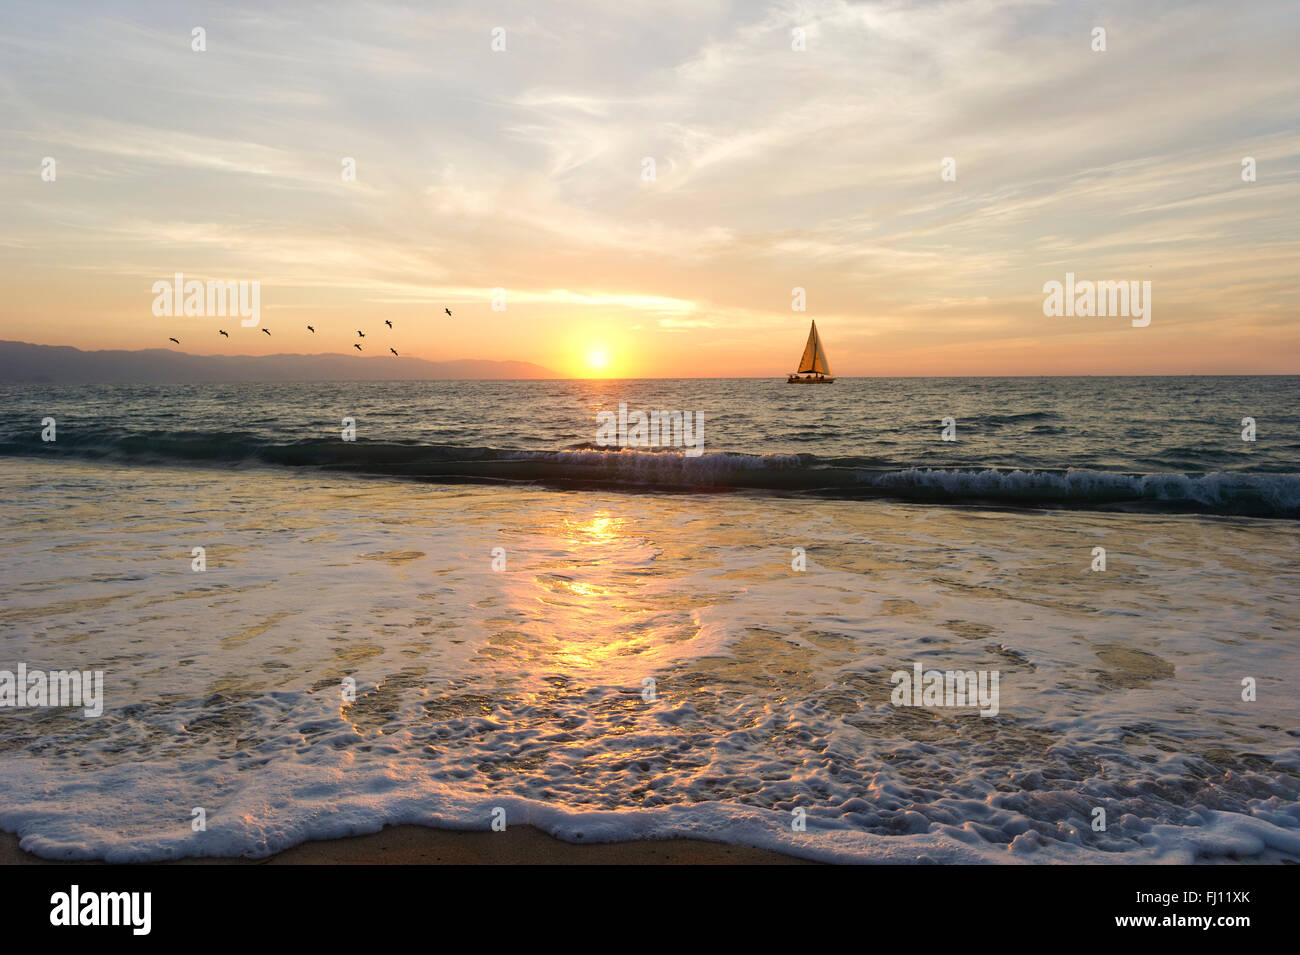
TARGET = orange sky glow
(511,186)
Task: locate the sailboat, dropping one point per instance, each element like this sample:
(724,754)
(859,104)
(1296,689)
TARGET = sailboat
(814,369)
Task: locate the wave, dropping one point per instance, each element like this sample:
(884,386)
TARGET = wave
(1237,493)
(1016,418)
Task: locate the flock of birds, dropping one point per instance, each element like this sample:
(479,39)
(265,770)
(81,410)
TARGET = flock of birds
(356,345)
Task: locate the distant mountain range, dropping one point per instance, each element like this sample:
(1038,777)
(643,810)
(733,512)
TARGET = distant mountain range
(55,364)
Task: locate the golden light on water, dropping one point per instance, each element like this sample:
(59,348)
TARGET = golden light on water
(596,610)
(600,528)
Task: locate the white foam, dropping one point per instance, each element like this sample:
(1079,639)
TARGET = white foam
(523,689)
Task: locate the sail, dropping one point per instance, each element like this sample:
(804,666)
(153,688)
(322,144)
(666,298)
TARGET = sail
(814,356)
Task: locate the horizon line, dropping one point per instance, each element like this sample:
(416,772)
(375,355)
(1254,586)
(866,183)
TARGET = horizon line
(777,376)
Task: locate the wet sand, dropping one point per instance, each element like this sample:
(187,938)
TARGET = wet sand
(522,845)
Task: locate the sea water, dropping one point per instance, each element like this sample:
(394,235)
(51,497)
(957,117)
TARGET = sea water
(465,612)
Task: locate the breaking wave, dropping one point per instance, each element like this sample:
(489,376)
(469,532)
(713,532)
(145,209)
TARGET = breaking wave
(1220,492)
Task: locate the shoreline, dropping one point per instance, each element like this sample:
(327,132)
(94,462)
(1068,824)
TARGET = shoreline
(409,844)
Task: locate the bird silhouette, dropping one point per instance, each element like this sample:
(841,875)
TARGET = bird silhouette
(310,329)
(267,330)
(388,323)
(447,310)
(394,351)
(357,347)
(173,340)
(360,333)
(224,332)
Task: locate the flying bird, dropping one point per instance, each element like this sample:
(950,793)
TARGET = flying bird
(388,323)
(310,329)
(360,333)
(173,340)
(357,347)
(267,330)
(394,351)
(447,310)
(224,332)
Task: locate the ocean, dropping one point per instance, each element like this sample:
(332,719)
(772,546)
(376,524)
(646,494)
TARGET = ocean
(475,612)
(1146,443)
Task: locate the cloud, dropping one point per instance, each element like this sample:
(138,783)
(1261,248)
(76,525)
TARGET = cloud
(774,168)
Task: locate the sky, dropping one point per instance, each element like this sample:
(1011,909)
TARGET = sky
(524,170)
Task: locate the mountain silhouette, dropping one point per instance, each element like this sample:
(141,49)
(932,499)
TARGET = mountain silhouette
(59,364)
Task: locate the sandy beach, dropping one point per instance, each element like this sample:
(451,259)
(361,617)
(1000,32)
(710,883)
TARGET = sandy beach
(419,845)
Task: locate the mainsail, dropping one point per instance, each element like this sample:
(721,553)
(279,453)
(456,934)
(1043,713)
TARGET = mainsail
(814,356)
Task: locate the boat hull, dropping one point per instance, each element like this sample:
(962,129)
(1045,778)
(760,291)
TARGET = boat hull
(809,380)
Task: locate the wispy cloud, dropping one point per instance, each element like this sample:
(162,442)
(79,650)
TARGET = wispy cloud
(525,170)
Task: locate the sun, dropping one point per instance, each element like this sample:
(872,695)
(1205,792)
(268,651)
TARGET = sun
(595,352)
